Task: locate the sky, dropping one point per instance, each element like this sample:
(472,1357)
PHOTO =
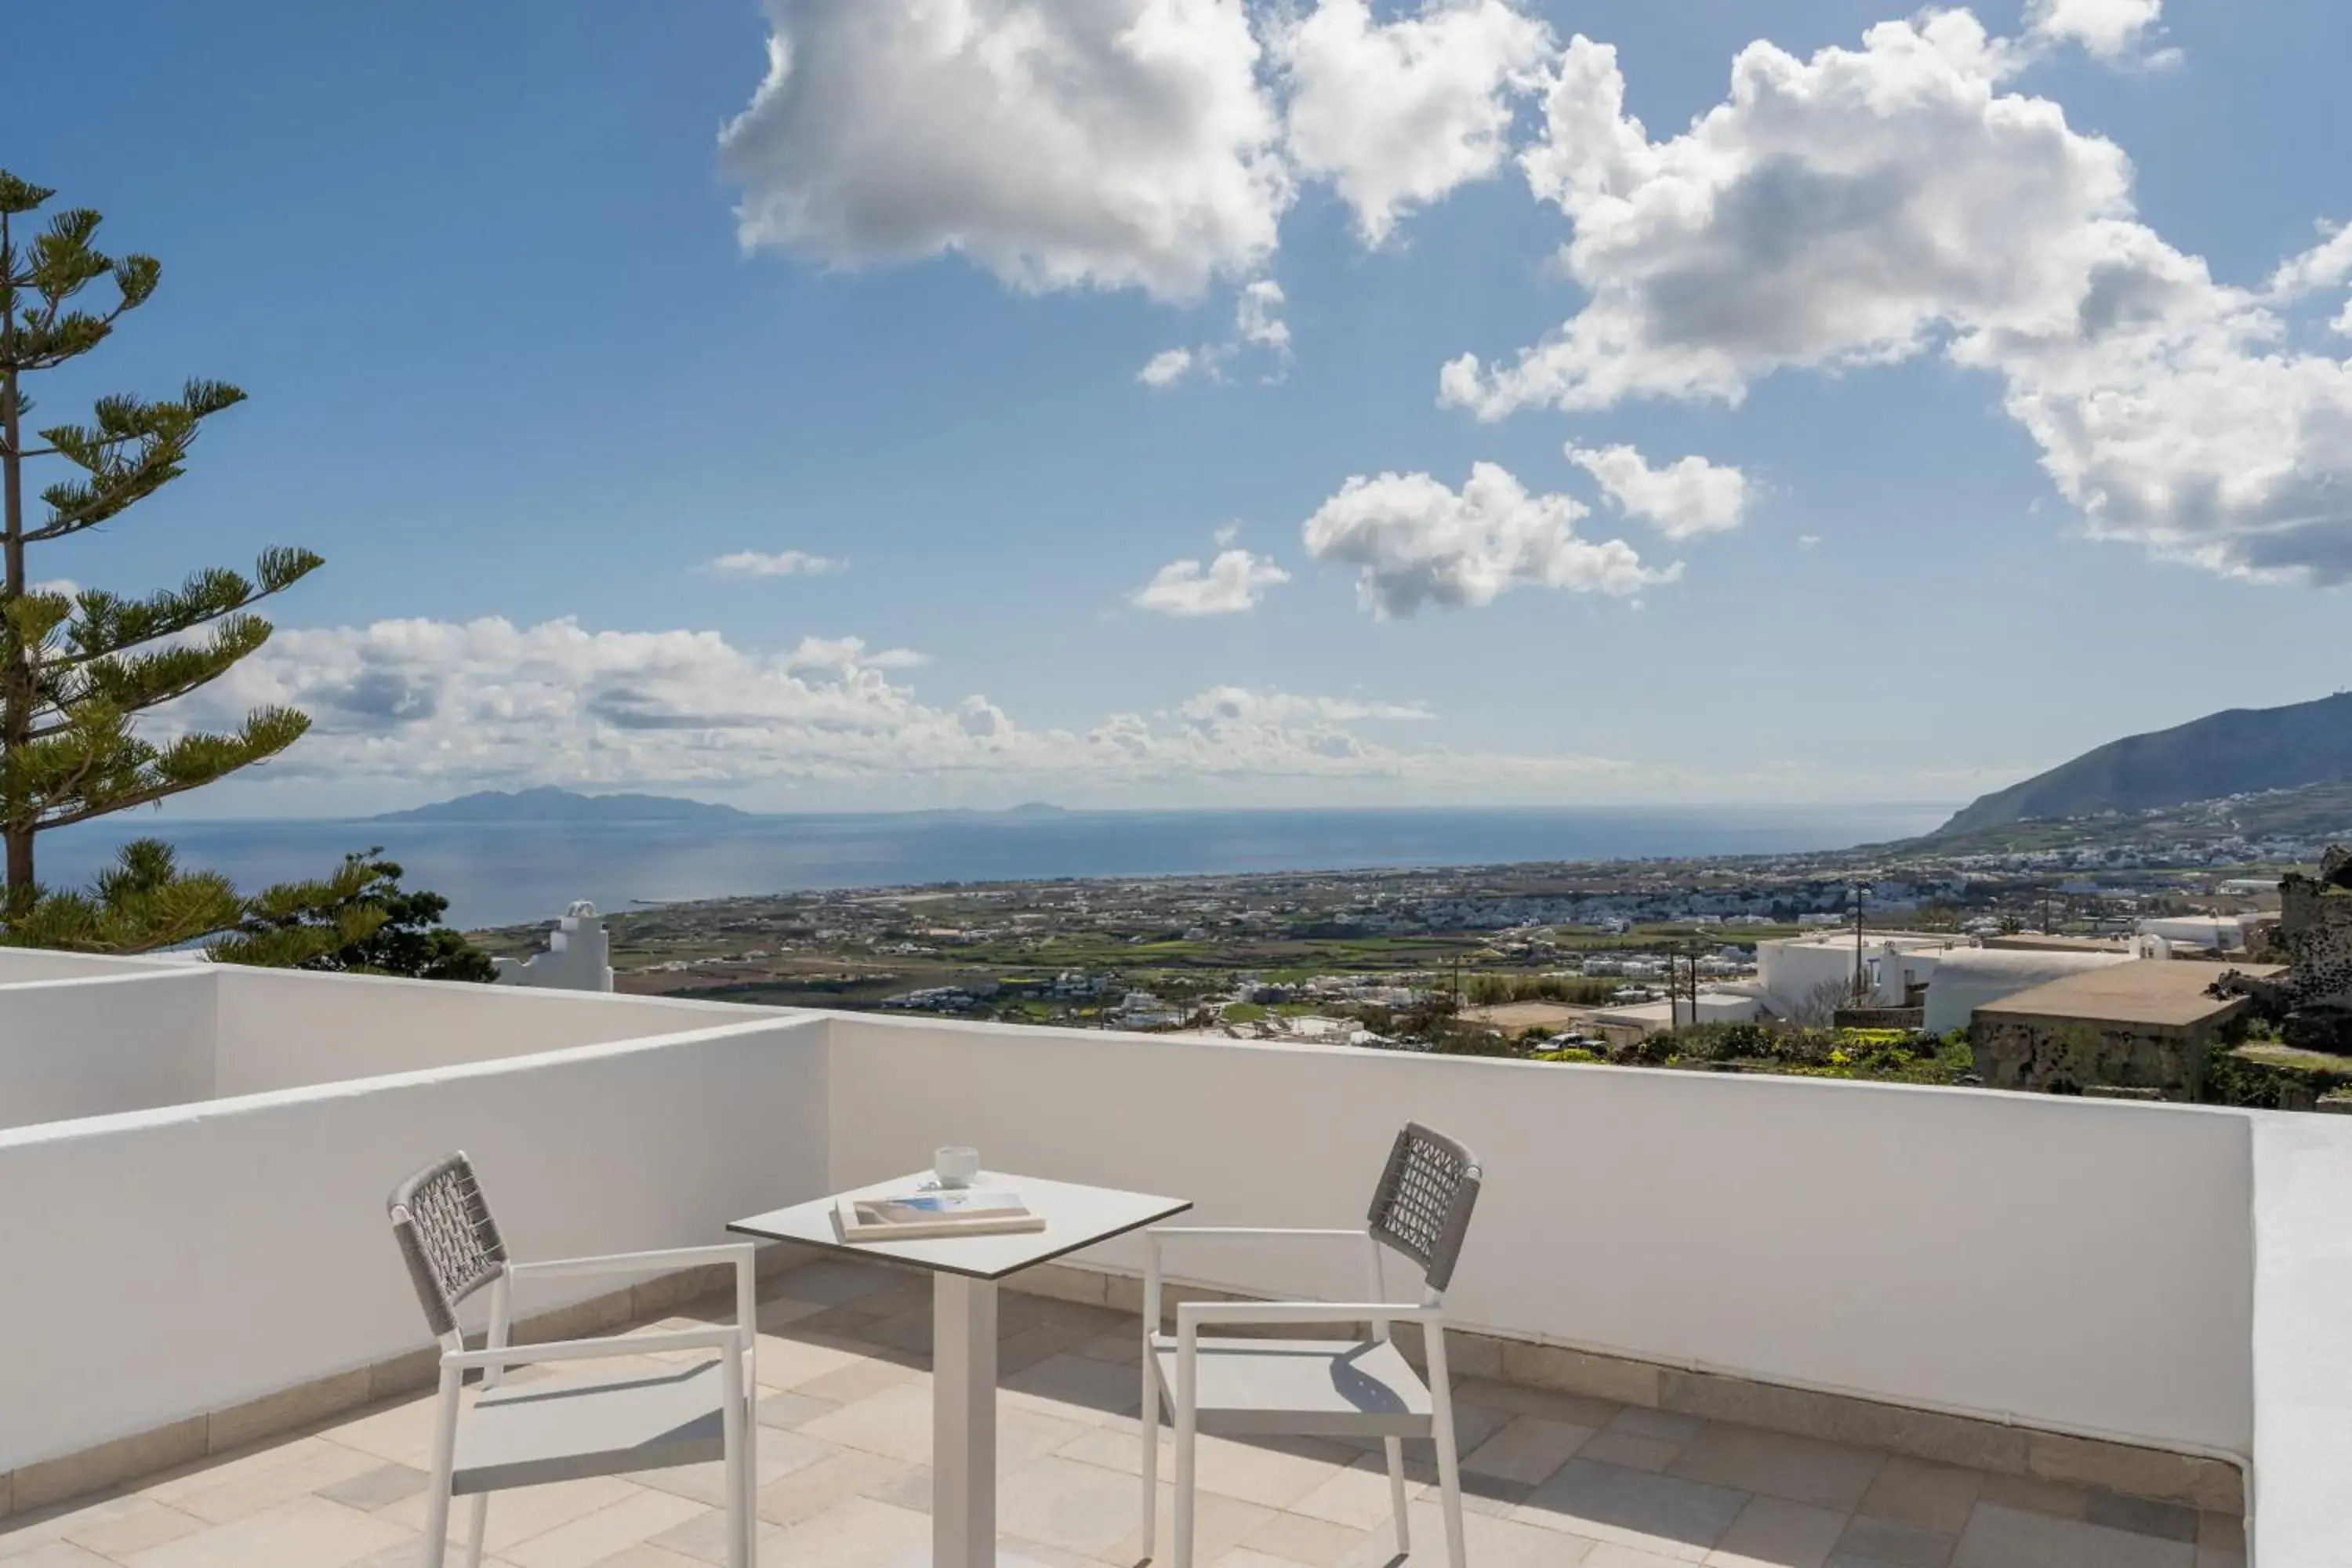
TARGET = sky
(832,404)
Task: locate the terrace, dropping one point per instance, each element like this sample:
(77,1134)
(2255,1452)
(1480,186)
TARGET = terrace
(1702,1318)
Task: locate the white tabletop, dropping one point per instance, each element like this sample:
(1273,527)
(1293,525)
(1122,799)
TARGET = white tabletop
(1075,1217)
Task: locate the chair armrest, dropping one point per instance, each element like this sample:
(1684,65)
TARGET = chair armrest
(740,1253)
(722,1340)
(1191,1315)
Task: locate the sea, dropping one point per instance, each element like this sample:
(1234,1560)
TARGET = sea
(507,874)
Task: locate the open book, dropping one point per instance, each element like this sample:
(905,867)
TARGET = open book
(910,1217)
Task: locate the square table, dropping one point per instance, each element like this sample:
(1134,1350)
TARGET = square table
(964,1272)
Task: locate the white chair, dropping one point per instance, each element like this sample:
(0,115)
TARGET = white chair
(559,1428)
(1335,1388)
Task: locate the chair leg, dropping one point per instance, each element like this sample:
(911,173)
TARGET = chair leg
(1449,1462)
(477,1528)
(1151,1429)
(1396,1491)
(444,1461)
(1180,1556)
(737,1441)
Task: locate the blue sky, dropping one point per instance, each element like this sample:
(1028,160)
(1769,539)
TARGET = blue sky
(529,350)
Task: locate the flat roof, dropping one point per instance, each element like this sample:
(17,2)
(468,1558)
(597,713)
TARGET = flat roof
(2166,991)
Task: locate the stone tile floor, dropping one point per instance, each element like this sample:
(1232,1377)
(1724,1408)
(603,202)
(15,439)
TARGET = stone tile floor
(1550,1480)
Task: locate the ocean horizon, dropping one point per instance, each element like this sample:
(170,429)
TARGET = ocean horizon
(510,873)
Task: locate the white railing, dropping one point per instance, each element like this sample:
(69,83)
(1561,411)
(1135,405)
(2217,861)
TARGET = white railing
(2072,1264)
(2077,1266)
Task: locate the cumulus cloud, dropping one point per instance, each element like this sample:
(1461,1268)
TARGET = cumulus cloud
(2111,29)
(1397,114)
(443,703)
(1689,496)
(775,563)
(1866,207)
(1236,581)
(1058,143)
(1413,541)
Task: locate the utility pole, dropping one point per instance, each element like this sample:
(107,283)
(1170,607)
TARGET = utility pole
(1860,890)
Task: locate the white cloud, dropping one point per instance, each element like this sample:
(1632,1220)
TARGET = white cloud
(1397,114)
(2110,29)
(1689,496)
(1414,541)
(1868,205)
(1166,368)
(1236,581)
(1257,325)
(1058,143)
(776,563)
(2328,265)
(1257,317)
(1807,541)
(440,704)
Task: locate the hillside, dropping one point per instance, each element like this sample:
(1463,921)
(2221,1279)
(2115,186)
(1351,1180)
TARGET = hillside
(548,804)
(2241,751)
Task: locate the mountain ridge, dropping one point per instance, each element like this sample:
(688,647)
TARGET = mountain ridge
(547,803)
(2240,750)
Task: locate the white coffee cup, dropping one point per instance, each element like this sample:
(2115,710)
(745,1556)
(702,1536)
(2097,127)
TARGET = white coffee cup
(956,1167)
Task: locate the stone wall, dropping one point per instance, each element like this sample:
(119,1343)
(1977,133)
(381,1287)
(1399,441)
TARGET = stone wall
(2076,1055)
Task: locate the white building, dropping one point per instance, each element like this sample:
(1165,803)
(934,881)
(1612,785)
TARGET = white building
(579,956)
(1794,971)
(2226,932)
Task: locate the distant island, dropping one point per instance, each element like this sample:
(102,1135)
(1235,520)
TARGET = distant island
(2245,751)
(548,803)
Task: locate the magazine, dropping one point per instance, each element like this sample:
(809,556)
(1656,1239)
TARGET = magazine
(910,1217)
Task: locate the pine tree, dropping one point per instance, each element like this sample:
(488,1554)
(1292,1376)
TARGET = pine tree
(76,667)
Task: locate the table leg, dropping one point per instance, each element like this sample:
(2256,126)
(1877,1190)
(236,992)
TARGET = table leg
(963,1422)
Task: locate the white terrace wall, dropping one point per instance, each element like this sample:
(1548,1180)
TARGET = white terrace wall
(124,1041)
(19,965)
(285,1028)
(168,1263)
(2078,1265)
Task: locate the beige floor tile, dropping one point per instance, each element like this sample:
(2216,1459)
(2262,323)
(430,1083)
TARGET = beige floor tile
(704,1537)
(21,1534)
(1123,1346)
(57,1555)
(1072,1387)
(1882,1541)
(831,1283)
(1487,1543)
(593,1537)
(307,1531)
(1657,1426)
(645,1555)
(804,1494)
(290,1471)
(1933,1497)
(1773,1533)
(1316,1542)
(400,1432)
(1250,1557)
(1568,1409)
(1827,1475)
(1357,1498)
(1628,1451)
(1220,1523)
(775,1455)
(856,1532)
(1614,1554)
(520,1514)
(785,1363)
(1075,1507)
(1116,1448)
(1999,1537)
(378,1487)
(1263,1473)
(1669,1515)
(143,1524)
(1529,1449)
(897,1422)
(863,1379)
(2030,1494)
